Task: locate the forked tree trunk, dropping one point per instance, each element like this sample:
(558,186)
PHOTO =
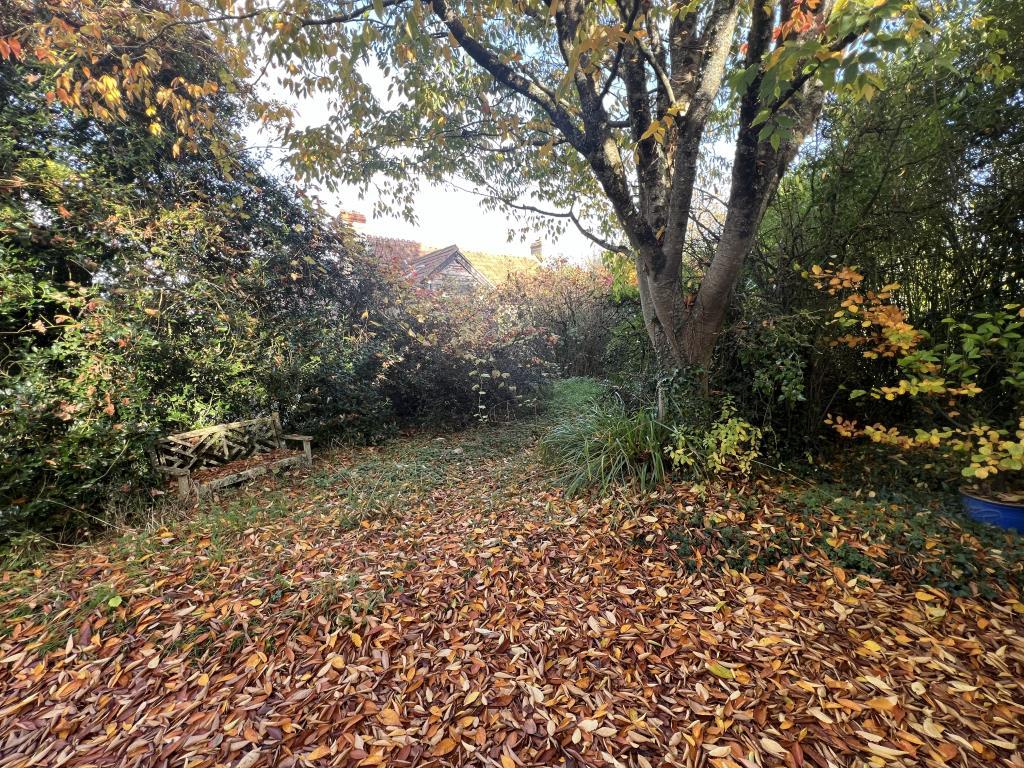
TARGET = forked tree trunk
(684,330)
(670,87)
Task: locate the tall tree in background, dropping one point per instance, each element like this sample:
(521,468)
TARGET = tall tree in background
(924,186)
(609,102)
(572,108)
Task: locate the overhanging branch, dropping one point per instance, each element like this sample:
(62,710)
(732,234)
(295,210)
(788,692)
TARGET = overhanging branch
(570,215)
(508,76)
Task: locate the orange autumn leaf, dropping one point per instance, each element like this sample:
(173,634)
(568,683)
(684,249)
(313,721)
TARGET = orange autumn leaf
(444,747)
(320,751)
(389,717)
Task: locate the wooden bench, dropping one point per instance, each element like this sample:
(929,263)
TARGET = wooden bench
(185,454)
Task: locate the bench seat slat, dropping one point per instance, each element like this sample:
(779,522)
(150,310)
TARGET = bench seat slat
(250,473)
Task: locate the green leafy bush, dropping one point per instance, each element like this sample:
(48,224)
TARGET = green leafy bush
(143,292)
(728,443)
(963,396)
(601,437)
(920,186)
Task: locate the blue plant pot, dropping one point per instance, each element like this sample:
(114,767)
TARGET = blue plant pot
(1001,513)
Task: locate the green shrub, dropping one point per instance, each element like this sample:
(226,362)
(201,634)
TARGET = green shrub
(600,439)
(143,294)
(728,443)
(604,444)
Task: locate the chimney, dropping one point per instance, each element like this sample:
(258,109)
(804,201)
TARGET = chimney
(535,250)
(353,218)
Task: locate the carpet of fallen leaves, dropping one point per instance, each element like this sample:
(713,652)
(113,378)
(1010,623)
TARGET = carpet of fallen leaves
(436,602)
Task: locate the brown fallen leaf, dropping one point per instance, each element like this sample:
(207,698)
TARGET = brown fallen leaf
(444,747)
(389,717)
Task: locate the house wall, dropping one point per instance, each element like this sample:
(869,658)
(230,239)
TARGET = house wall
(454,278)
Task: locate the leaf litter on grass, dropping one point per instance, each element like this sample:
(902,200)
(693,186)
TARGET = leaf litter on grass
(486,620)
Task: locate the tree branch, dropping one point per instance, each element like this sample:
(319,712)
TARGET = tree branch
(570,215)
(664,82)
(722,27)
(800,80)
(627,28)
(509,77)
(302,21)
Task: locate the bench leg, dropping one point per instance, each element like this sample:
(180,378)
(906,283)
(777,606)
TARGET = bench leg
(307,449)
(183,486)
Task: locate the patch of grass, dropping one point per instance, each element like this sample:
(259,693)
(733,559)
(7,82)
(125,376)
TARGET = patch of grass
(370,602)
(568,397)
(102,594)
(22,551)
(603,445)
(383,484)
(349,520)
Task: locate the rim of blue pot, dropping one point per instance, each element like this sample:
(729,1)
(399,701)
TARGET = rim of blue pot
(1014,504)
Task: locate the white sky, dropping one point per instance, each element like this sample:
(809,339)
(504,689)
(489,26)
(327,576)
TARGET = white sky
(445,216)
(451,216)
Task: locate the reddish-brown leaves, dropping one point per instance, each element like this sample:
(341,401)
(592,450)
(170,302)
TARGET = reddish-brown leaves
(489,622)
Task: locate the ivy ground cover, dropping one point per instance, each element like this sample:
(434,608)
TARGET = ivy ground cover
(438,602)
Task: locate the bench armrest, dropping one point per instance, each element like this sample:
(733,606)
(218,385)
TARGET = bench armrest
(307,446)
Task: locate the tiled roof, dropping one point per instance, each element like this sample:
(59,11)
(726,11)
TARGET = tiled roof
(410,257)
(400,253)
(429,263)
(426,264)
(497,267)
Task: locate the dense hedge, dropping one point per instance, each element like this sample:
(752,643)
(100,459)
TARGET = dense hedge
(142,292)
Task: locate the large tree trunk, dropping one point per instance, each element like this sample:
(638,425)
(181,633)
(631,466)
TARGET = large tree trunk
(670,86)
(684,330)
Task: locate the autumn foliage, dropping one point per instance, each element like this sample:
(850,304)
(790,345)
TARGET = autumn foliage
(146,290)
(942,379)
(460,612)
(528,537)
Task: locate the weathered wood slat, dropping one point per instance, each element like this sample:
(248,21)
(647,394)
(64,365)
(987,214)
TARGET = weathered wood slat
(185,452)
(218,427)
(205,489)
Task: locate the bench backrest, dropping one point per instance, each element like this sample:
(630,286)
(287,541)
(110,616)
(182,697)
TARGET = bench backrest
(220,444)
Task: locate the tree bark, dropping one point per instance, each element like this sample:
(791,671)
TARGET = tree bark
(654,208)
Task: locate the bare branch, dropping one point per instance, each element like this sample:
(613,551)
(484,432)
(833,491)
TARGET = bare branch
(664,82)
(301,21)
(570,215)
